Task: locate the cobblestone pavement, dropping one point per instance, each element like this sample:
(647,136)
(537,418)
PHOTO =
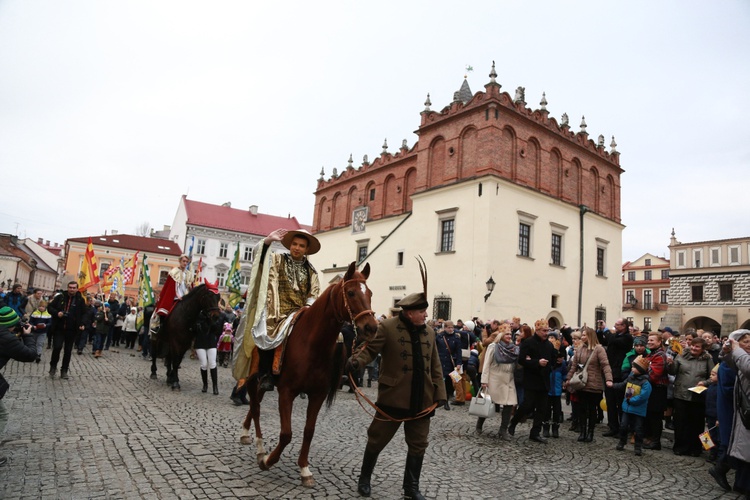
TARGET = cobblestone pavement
(111,432)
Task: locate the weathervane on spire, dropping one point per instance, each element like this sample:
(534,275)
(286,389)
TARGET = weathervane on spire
(469,68)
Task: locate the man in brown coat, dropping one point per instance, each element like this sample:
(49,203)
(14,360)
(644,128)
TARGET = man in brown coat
(410,382)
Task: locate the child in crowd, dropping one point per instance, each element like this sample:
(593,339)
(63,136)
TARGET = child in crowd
(224,347)
(40,322)
(557,375)
(712,418)
(637,392)
(472,370)
(572,397)
(639,349)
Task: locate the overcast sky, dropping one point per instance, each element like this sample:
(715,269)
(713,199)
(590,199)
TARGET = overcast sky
(110,111)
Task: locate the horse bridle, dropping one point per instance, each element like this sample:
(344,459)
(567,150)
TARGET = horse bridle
(352,316)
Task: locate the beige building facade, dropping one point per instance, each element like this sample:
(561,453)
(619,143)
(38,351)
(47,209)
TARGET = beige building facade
(709,285)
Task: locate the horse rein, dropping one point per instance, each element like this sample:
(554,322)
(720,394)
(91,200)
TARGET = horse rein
(358,393)
(352,316)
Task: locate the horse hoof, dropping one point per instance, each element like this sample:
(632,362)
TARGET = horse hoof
(153,376)
(246,440)
(262,462)
(308,482)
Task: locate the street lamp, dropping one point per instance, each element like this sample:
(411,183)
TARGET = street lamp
(490,286)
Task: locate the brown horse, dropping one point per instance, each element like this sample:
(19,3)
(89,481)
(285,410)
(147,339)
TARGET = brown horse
(313,364)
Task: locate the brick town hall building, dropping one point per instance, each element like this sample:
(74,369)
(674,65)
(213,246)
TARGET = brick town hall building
(492,189)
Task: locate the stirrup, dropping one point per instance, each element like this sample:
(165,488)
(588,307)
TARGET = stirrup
(266,383)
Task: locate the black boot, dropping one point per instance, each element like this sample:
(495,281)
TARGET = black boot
(555,430)
(480,423)
(368,465)
(590,431)
(411,477)
(582,429)
(215,380)
(719,473)
(545,429)
(204,376)
(264,370)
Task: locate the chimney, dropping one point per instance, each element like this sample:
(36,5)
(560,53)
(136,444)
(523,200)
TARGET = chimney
(39,240)
(228,204)
(113,232)
(47,243)
(254,209)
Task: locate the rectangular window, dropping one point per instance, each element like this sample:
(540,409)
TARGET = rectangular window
(553,302)
(556,249)
(600,313)
(681,258)
(163,277)
(665,274)
(697,258)
(223,249)
(200,247)
(361,253)
(600,261)
(664,296)
(647,325)
(248,254)
(244,279)
(648,262)
(524,239)
(647,275)
(715,254)
(648,299)
(400,259)
(103,266)
(631,275)
(222,277)
(629,296)
(372,194)
(726,292)
(447,228)
(734,255)
(442,308)
(696,293)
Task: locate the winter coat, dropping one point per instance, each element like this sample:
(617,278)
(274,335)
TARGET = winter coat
(103,321)
(499,379)
(393,341)
(688,371)
(129,323)
(627,363)
(617,346)
(448,360)
(725,400)
(639,389)
(657,368)
(739,445)
(21,348)
(556,377)
(40,322)
(599,370)
(536,376)
(711,398)
(73,308)
(17,302)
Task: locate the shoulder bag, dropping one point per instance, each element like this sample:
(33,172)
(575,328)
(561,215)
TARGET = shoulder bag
(481,405)
(581,376)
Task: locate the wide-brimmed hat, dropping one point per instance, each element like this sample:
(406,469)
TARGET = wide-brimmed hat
(8,317)
(313,245)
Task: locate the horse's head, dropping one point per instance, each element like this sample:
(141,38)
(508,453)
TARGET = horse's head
(209,299)
(356,296)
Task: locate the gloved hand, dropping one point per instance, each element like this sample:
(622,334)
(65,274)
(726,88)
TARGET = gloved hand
(352,365)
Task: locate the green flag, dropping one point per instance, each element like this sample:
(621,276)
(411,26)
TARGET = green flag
(145,292)
(234,279)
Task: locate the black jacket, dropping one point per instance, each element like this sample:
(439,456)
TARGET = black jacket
(618,346)
(535,376)
(74,307)
(21,348)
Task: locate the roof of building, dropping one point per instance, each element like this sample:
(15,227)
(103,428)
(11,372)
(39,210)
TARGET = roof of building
(232,219)
(132,242)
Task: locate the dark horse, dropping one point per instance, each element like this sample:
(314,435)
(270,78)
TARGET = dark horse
(313,364)
(197,308)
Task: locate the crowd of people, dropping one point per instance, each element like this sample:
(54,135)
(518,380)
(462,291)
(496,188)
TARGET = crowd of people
(694,383)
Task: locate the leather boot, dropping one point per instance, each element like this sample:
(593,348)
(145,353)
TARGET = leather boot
(582,429)
(215,380)
(480,423)
(590,430)
(545,429)
(719,473)
(555,430)
(204,376)
(365,474)
(411,477)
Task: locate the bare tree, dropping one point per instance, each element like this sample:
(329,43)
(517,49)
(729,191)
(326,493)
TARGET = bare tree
(143,229)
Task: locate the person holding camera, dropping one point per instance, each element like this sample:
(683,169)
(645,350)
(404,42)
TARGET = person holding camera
(12,346)
(67,311)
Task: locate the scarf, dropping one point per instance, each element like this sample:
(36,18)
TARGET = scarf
(417,379)
(505,353)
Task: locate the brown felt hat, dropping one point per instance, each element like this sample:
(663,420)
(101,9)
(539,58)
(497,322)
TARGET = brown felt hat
(313,245)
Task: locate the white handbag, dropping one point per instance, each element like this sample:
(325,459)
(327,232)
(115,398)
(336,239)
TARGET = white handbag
(481,405)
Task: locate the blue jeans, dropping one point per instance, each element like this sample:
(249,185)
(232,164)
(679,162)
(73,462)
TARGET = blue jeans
(636,421)
(98,341)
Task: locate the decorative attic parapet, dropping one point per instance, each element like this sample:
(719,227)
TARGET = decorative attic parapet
(517,104)
(383,159)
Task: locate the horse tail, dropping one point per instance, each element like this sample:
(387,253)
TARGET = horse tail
(337,370)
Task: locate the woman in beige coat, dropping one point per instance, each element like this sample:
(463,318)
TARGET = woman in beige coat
(497,377)
(599,375)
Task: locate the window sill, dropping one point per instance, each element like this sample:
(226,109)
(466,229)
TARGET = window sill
(601,276)
(525,257)
(449,252)
(558,266)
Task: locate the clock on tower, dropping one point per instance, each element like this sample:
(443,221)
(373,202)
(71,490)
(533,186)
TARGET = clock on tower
(359,217)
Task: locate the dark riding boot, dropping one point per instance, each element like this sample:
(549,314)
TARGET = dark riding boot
(545,429)
(215,380)
(555,430)
(411,477)
(582,428)
(590,431)
(719,473)
(204,376)
(265,366)
(368,465)
(480,423)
